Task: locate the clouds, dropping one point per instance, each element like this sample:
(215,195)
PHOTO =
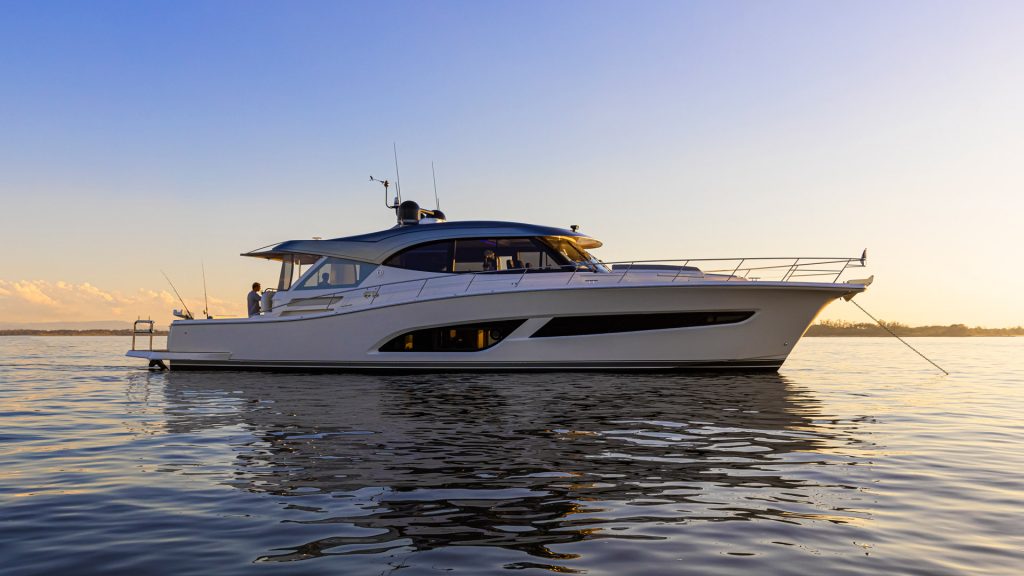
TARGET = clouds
(44,301)
(32,293)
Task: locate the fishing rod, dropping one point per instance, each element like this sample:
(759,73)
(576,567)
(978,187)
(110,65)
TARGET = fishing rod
(206,300)
(188,313)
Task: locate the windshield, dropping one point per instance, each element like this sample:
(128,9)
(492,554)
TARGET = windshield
(572,252)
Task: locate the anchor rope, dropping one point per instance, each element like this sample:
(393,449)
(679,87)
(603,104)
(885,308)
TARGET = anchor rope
(884,327)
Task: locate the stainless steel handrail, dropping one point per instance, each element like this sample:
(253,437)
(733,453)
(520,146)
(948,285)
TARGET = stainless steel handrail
(789,271)
(149,329)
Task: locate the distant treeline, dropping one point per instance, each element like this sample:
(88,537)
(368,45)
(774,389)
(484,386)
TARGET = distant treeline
(841,328)
(125,332)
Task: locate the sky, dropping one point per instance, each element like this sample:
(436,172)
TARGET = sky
(145,137)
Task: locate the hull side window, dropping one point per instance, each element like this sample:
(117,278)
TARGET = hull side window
(614,323)
(456,338)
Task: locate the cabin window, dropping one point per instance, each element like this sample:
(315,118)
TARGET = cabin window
(432,257)
(284,281)
(568,249)
(492,255)
(457,338)
(501,254)
(336,273)
(571,251)
(614,323)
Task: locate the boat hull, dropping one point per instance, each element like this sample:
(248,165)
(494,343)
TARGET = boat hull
(351,341)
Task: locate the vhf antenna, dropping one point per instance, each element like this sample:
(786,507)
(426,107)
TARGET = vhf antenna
(437,202)
(398,176)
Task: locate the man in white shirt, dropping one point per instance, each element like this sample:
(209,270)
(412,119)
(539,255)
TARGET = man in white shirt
(254,300)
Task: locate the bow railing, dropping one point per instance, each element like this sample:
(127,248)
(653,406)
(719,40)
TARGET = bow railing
(771,268)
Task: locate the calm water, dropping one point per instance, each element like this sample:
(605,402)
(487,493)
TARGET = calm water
(858,458)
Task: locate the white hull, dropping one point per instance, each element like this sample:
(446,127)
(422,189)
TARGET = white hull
(349,339)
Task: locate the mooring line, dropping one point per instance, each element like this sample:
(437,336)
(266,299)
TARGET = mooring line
(897,337)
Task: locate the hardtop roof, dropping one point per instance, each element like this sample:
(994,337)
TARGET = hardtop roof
(376,247)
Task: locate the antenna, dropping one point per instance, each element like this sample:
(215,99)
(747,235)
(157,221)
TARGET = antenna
(386,184)
(398,177)
(437,203)
(187,311)
(206,300)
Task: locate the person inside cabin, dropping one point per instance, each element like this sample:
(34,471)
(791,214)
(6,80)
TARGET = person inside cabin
(325,280)
(490,260)
(254,300)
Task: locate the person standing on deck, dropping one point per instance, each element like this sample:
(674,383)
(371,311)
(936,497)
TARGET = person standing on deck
(254,300)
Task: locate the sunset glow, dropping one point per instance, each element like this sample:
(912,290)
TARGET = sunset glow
(147,138)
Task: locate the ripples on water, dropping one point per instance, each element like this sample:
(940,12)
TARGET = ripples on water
(856,459)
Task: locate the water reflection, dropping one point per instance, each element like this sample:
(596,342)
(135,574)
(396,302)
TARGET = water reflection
(523,462)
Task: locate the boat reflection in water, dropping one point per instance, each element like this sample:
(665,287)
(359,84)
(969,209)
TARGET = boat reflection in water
(525,462)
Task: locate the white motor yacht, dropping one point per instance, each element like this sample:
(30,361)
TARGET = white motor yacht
(434,295)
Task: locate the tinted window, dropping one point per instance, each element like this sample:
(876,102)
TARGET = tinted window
(567,248)
(476,255)
(337,273)
(457,338)
(486,255)
(571,251)
(496,254)
(613,323)
(432,257)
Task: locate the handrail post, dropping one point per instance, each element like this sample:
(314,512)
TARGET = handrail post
(422,286)
(679,270)
(735,270)
(841,270)
(792,269)
(624,273)
(523,277)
